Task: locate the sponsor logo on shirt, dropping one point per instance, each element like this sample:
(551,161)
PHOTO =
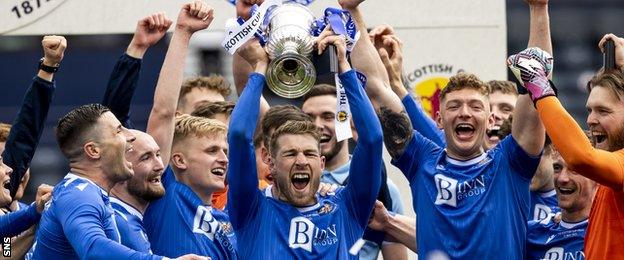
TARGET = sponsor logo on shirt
(204,223)
(304,234)
(541,212)
(558,253)
(450,190)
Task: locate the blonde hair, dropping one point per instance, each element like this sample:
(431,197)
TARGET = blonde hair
(4,132)
(293,127)
(186,126)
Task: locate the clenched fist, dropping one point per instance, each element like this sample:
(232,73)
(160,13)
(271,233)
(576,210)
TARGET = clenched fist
(44,194)
(195,16)
(53,49)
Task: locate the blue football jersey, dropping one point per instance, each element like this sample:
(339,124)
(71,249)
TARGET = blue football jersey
(130,225)
(543,205)
(549,240)
(268,228)
(278,230)
(80,224)
(179,223)
(474,209)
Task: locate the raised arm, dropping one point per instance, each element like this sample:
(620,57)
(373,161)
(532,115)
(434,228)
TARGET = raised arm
(539,31)
(390,49)
(526,127)
(28,126)
(242,175)
(193,17)
(365,58)
(606,168)
(124,78)
(362,190)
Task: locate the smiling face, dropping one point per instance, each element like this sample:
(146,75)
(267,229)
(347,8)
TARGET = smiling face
(148,168)
(205,161)
(5,178)
(115,142)
(574,192)
(464,115)
(502,106)
(606,118)
(297,166)
(322,110)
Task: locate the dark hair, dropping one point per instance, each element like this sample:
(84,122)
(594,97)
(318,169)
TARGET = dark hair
(464,81)
(503,86)
(320,90)
(294,127)
(72,128)
(277,116)
(209,109)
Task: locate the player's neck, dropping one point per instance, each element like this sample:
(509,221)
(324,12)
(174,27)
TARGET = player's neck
(575,216)
(340,159)
(464,156)
(120,192)
(93,174)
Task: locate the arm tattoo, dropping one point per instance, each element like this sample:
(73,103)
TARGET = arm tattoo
(397,130)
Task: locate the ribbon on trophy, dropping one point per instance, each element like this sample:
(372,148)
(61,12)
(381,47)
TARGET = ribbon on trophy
(236,36)
(303,2)
(343,124)
(341,23)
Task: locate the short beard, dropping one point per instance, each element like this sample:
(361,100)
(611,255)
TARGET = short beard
(334,150)
(616,142)
(138,189)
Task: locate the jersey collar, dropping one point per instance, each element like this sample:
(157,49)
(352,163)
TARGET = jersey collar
(470,162)
(129,208)
(73,177)
(568,225)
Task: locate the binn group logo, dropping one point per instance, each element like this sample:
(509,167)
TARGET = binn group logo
(304,234)
(450,191)
(204,223)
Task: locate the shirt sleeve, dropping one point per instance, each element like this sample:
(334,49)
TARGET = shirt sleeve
(522,162)
(422,122)
(27,129)
(417,151)
(122,83)
(365,170)
(243,194)
(81,219)
(14,223)
(606,168)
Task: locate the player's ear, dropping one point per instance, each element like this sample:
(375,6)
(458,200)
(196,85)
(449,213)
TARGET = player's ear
(439,120)
(177,159)
(322,162)
(264,153)
(92,150)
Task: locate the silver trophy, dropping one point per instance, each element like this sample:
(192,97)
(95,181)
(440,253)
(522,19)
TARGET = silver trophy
(291,73)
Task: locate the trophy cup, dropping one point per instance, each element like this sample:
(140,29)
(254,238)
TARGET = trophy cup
(291,73)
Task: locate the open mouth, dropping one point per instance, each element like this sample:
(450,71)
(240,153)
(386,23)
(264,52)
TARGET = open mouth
(155,180)
(7,184)
(218,171)
(566,191)
(269,177)
(599,137)
(129,149)
(464,131)
(300,180)
(325,138)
